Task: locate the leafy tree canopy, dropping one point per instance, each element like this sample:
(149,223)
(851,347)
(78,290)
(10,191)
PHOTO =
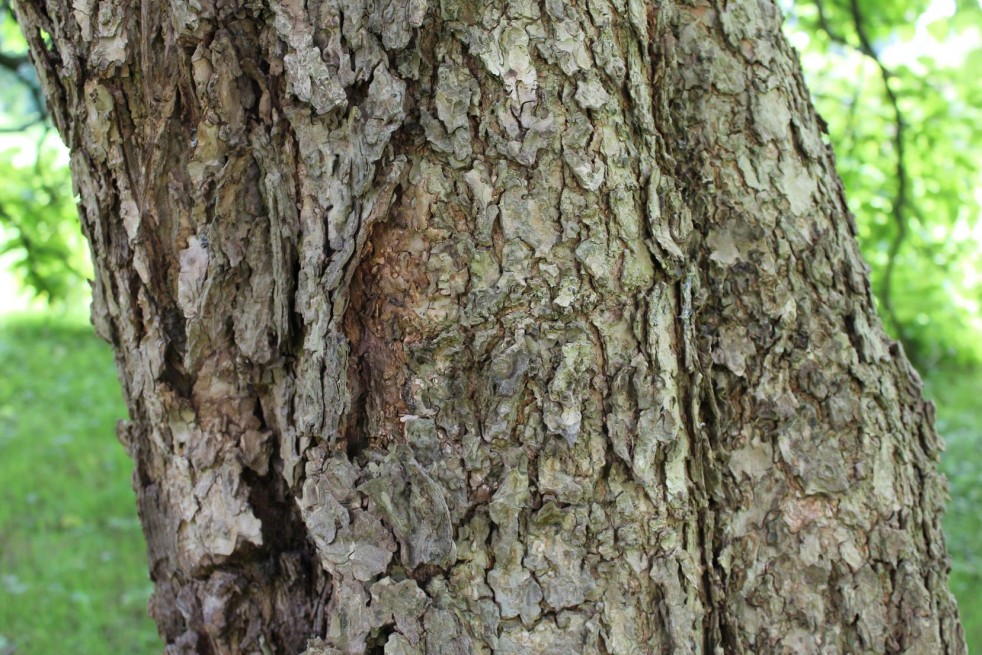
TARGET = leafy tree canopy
(39,232)
(897,83)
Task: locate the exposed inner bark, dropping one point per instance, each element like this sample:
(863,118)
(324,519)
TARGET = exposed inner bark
(513,327)
(376,324)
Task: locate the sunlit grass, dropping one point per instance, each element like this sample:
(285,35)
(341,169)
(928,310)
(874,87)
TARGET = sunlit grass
(72,557)
(957,393)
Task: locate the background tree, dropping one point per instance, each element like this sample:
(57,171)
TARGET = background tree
(458,328)
(38,219)
(897,83)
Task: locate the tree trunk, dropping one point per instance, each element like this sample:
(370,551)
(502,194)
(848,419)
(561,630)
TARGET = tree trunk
(510,327)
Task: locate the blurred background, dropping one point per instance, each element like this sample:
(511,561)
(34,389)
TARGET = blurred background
(898,83)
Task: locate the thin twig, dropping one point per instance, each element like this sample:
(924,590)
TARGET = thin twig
(23,126)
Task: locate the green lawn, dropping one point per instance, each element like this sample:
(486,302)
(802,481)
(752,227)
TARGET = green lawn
(72,559)
(957,394)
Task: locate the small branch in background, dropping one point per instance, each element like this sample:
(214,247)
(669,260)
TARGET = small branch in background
(12,62)
(900,200)
(23,126)
(823,22)
(853,114)
(16,64)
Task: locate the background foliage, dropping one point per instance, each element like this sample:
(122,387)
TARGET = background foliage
(897,81)
(39,231)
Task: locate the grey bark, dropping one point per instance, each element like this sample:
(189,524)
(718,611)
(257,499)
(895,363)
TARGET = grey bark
(493,327)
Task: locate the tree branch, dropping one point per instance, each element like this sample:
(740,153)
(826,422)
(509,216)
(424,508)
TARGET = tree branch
(14,64)
(900,199)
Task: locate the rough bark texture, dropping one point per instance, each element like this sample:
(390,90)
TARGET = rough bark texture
(525,326)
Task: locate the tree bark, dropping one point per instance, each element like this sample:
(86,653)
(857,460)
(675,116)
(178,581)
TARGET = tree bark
(510,327)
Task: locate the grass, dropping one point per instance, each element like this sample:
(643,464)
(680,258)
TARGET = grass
(72,558)
(956,393)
